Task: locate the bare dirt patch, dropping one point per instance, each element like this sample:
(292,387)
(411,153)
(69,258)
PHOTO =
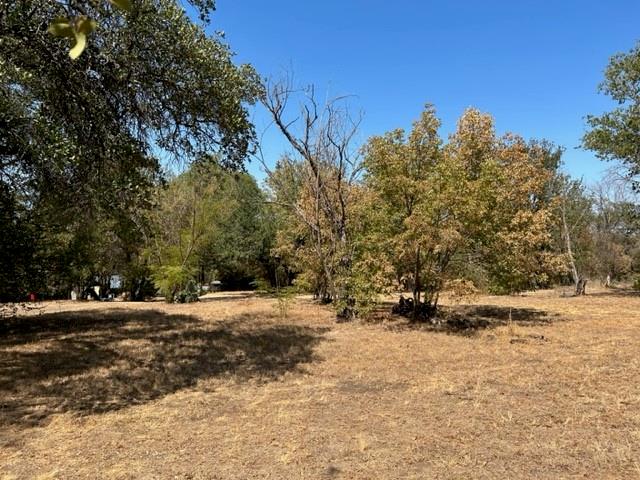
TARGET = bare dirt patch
(534,386)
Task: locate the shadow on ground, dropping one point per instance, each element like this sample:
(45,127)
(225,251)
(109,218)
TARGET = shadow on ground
(613,292)
(226,296)
(469,319)
(94,362)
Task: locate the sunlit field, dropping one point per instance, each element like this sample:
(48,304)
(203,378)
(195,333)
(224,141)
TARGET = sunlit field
(532,386)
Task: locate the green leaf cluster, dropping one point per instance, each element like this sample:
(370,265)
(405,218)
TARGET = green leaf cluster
(83,141)
(615,135)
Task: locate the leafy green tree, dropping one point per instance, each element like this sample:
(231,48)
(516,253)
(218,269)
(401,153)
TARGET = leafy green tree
(406,171)
(295,250)
(209,224)
(82,140)
(139,85)
(238,252)
(575,234)
(615,135)
(16,248)
(185,216)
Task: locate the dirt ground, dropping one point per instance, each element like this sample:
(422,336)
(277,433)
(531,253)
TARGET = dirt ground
(534,386)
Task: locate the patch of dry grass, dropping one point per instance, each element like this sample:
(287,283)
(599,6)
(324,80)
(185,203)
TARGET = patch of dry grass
(534,386)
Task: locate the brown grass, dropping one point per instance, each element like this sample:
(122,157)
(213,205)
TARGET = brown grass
(534,386)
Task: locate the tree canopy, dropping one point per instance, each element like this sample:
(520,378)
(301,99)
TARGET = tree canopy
(125,128)
(615,135)
(475,200)
(83,140)
(209,225)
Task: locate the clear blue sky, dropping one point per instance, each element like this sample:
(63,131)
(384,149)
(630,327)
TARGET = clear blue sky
(534,65)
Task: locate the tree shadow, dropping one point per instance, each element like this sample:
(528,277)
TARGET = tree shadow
(100,361)
(614,292)
(476,317)
(469,319)
(227,295)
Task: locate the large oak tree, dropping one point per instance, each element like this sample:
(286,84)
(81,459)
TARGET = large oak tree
(83,140)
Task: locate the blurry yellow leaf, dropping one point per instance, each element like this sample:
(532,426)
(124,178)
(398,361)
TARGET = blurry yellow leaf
(85,25)
(61,27)
(80,45)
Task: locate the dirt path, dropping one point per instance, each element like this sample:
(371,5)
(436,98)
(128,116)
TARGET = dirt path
(226,389)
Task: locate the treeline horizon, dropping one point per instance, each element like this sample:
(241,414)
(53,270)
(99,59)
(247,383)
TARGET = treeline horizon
(84,195)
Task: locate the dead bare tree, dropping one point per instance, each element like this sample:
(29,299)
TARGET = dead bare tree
(322,136)
(614,199)
(566,234)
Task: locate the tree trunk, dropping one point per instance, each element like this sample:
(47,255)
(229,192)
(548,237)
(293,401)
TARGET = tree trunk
(572,264)
(416,286)
(581,287)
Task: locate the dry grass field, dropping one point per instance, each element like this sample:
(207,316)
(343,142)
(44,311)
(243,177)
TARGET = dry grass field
(533,386)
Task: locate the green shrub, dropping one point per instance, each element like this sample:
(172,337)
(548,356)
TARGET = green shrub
(188,294)
(173,280)
(284,299)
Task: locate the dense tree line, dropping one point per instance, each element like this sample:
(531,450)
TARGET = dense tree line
(422,214)
(124,157)
(83,140)
(413,212)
